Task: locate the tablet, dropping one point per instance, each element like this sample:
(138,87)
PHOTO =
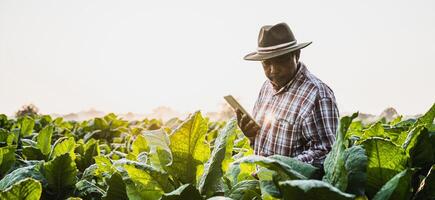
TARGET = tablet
(236,105)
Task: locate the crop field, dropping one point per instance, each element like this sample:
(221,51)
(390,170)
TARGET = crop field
(42,157)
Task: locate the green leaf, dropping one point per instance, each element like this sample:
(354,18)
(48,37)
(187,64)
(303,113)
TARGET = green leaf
(424,121)
(160,155)
(385,160)
(269,183)
(375,130)
(7,159)
(396,120)
(245,190)
(239,172)
(91,149)
(139,145)
(61,174)
(62,146)
(397,187)
(421,151)
(273,164)
(355,129)
(148,181)
(6,138)
(116,188)
(346,168)
(27,189)
(44,140)
(305,169)
(105,167)
(312,190)
(355,166)
(189,149)
(186,191)
(32,153)
(418,143)
(89,190)
(22,173)
(427,186)
(334,164)
(26,126)
(211,181)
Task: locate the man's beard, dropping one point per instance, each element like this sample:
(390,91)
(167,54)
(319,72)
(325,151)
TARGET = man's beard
(278,82)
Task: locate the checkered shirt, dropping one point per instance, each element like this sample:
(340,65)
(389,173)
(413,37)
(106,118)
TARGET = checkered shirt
(299,120)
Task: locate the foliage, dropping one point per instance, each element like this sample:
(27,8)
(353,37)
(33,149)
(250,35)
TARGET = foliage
(111,158)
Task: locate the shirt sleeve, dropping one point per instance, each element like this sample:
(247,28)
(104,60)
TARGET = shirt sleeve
(319,130)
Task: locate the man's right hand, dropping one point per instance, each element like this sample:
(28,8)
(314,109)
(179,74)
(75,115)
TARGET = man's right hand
(249,127)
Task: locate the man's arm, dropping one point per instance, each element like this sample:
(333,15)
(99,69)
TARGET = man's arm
(319,129)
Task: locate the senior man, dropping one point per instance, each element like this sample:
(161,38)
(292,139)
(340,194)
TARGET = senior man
(296,111)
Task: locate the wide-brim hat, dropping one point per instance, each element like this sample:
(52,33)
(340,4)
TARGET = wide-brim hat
(274,41)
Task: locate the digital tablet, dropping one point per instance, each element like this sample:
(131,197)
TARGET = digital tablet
(236,105)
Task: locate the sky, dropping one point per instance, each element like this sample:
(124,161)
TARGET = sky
(133,56)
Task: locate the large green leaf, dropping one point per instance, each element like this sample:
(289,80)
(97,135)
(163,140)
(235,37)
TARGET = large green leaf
(6,138)
(268,180)
(26,126)
(211,181)
(149,182)
(116,188)
(418,144)
(33,153)
(245,190)
(273,164)
(424,121)
(375,130)
(27,189)
(62,146)
(61,175)
(104,166)
(305,169)
(160,155)
(22,173)
(397,187)
(239,172)
(355,167)
(385,160)
(44,140)
(88,190)
(7,159)
(91,149)
(189,149)
(186,191)
(421,151)
(139,145)
(427,186)
(355,129)
(312,190)
(334,165)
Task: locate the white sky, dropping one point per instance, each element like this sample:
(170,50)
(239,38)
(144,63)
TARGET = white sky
(120,56)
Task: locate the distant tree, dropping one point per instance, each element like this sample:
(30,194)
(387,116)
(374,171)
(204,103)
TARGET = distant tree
(27,110)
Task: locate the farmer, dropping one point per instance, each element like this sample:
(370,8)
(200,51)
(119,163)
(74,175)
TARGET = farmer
(296,111)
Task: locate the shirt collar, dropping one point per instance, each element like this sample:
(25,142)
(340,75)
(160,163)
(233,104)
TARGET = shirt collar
(300,69)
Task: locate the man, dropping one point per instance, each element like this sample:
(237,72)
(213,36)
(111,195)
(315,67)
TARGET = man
(296,111)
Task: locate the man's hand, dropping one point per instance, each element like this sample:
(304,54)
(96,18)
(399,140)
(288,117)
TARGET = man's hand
(249,127)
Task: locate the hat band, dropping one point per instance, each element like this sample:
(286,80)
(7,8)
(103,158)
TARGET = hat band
(275,47)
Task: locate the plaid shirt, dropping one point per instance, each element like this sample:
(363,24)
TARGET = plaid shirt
(299,120)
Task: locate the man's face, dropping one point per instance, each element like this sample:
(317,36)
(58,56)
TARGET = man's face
(280,70)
